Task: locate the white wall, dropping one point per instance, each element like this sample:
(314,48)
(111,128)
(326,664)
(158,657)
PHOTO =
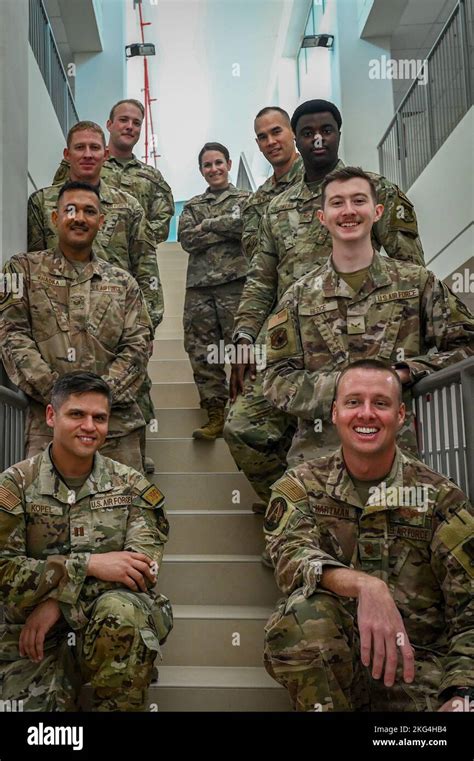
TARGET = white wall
(101,77)
(45,136)
(444,199)
(13,126)
(199,98)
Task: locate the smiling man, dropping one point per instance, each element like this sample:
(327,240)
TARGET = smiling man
(358,304)
(276,141)
(292,242)
(81,542)
(77,311)
(380,613)
(124,171)
(126,238)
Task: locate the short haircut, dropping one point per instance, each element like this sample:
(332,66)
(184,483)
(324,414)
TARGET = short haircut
(133,102)
(316,107)
(77,185)
(78,382)
(269,109)
(81,126)
(371,364)
(213,147)
(344,174)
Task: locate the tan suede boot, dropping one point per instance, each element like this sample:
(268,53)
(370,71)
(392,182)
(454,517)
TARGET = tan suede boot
(215,425)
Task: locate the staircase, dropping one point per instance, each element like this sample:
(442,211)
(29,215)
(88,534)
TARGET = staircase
(221,593)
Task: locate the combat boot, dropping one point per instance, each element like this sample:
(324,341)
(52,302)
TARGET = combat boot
(214,426)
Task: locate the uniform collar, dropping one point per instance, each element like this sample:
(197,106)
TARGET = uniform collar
(51,483)
(332,284)
(339,484)
(230,191)
(62,267)
(132,161)
(295,170)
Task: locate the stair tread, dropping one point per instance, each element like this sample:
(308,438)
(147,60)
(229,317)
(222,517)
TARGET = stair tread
(222,611)
(230,677)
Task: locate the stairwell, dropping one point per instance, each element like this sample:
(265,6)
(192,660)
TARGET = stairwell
(221,593)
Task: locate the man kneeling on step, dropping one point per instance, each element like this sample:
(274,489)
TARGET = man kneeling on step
(375,552)
(81,542)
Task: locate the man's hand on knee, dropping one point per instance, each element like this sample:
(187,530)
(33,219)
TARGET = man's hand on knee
(36,627)
(382,632)
(237,375)
(129,568)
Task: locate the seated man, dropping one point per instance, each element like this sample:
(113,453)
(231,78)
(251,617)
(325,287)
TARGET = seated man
(375,551)
(81,541)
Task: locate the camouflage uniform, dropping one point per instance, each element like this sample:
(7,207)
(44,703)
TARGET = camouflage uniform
(143,182)
(316,520)
(257,204)
(401,314)
(293,242)
(107,634)
(94,319)
(214,282)
(125,239)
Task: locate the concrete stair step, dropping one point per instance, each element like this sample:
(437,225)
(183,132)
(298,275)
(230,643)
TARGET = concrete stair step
(216,636)
(183,688)
(175,395)
(217,580)
(177,423)
(178,455)
(170,371)
(204,491)
(230,532)
(171,327)
(168,348)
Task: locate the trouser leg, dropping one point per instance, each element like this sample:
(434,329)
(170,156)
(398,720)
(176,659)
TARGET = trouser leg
(312,648)
(259,436)
(51,685)
(125,449)
(309,649)
(119,647)
(202,335)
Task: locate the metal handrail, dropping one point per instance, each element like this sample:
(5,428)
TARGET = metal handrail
(444,404)
(400,152)
(47,55)
(12,425)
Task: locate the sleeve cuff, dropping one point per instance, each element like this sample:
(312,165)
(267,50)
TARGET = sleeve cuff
(313,572)
(76,568)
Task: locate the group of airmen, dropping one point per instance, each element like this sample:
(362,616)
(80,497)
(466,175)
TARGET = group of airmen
(329,337)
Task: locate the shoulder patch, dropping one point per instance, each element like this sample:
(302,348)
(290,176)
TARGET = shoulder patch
(8,500)
(276,515)
(152,495)
(291,489)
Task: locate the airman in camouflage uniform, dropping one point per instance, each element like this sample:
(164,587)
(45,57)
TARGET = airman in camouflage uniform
(321,519)
(210,229)
(124,171)
(292,242)
(256,206)
(399,312)
(127,239)
(70,315)
(51,526)
(275,139)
